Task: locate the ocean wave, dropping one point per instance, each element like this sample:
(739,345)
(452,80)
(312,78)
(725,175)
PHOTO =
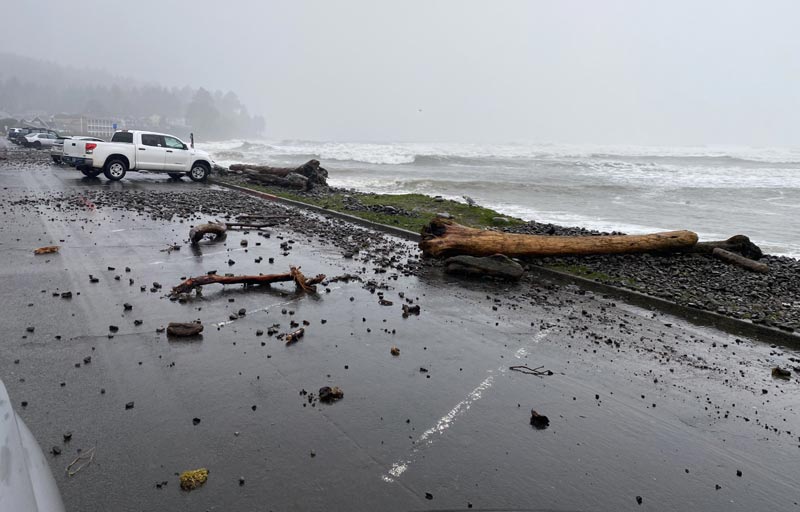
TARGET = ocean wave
(449,154)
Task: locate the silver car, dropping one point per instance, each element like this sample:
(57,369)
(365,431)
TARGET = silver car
(40,140)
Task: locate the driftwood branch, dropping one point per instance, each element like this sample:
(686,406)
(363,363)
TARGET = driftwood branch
(217,229)
(294,274)
(738,244)
(735,259)
(443,237)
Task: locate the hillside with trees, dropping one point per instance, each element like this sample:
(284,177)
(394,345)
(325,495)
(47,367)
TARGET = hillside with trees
(32,87)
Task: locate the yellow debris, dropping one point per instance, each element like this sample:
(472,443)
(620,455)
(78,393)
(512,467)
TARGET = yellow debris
(193,479)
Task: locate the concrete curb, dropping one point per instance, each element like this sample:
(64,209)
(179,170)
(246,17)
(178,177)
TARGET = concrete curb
(728,324)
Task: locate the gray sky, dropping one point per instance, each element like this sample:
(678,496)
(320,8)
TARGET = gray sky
(638,72)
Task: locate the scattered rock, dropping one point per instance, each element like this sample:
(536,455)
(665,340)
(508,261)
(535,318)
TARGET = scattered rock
(330,395)
(781,373)
(539,421)
(184,329)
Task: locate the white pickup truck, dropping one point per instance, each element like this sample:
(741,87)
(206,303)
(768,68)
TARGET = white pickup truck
(137,150)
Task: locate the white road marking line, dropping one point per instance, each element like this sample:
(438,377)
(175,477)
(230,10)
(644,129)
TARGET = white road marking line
(427,438)
(446,421)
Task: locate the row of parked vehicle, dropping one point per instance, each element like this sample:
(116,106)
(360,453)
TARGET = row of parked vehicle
(129,150)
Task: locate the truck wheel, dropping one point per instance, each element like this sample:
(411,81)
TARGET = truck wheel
(90,172)
(199,172)
(176,175)
(115,169)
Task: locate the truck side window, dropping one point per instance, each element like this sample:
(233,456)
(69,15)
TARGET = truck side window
(148,139)
(172,142)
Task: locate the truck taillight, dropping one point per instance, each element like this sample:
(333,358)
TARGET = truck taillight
(90,147)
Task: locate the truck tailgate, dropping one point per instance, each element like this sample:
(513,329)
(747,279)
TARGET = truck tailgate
(74,148)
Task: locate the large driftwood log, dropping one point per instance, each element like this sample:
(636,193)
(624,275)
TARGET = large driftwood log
(294,274)
(738,244)
(735,259)
(308,176)
(443,237)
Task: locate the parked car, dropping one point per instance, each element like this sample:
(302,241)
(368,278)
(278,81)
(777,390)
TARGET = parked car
(57,149)
(40,140)
(27,482)
(138,150)
(16,134)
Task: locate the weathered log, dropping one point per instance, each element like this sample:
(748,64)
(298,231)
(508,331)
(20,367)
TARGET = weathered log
(217,229)
(308,176)
(184,329)
(738,244)
(294,274)
(741,261)
(443,237)
(497,265)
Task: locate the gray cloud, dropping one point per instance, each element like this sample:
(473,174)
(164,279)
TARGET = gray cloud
(678,72)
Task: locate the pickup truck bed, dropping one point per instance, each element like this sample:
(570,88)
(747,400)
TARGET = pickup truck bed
(134,151)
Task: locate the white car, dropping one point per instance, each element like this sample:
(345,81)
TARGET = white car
(40,140)
(57,149)
(136,150)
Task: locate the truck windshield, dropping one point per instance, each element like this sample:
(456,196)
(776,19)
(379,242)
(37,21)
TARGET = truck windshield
(123,137)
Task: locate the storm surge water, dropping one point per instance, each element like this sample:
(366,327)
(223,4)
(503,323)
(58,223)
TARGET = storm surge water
(716,191)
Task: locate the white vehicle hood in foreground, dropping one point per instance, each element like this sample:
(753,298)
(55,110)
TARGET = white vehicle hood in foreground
(26,483)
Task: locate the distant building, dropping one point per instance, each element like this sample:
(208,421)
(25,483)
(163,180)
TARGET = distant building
(86,125)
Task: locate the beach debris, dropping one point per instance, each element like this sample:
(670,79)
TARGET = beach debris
(294,274)
(50,249)
(294,336)
(781,373)
(531,371)
(496,265)
(738,244)
(194,478)
(410,310)
(539,421)
(80,462)
(306,177)
(394,351)
(443,237)
(217,230)
(169,249)
(184,329)
(330,394)
(741,261)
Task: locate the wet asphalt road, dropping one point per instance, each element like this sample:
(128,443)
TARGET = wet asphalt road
(640,404)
